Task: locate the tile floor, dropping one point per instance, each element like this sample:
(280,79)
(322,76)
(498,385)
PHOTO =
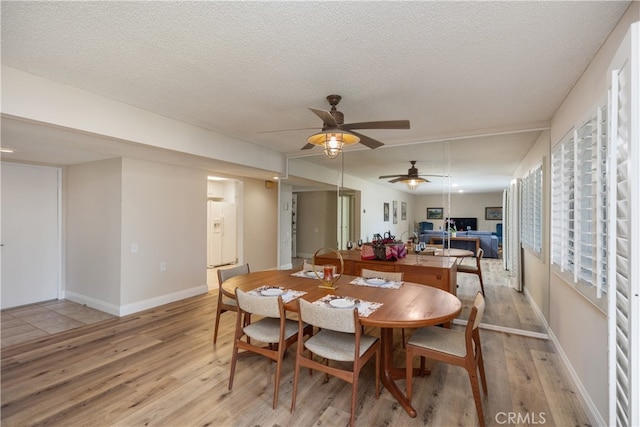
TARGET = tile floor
(21,324)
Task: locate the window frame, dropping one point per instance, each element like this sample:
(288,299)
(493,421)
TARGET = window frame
(578,212)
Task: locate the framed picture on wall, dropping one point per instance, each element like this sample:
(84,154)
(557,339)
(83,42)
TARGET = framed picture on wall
(403,211)
(395,211)
(493,213)
(385,210)
(434,213)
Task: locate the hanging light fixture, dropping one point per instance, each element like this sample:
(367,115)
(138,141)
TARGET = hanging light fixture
(413,182)
(332,141)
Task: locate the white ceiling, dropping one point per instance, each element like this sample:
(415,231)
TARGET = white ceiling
(487,76)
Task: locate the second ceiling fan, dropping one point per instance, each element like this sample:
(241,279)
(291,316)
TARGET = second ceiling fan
(412,178)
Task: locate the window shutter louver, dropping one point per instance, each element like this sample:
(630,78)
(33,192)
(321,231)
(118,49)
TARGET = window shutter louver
(624,215)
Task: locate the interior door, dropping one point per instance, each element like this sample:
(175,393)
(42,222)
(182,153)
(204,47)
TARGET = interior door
(31,260)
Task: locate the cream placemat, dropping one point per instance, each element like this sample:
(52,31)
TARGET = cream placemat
(287,295)
(374,283)
(365,308)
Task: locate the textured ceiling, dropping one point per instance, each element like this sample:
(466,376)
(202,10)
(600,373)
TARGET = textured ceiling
(242,68)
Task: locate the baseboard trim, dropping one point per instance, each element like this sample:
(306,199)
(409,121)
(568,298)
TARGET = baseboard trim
(92,302)
(505,329)
(587,404)
(136,307)
(585,400)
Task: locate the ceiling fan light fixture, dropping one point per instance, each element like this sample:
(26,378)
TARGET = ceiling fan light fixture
(333,141)
(413,184)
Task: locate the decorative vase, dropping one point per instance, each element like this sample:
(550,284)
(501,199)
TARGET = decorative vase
(328,280)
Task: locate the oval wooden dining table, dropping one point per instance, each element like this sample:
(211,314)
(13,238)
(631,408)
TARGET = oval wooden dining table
(411,306)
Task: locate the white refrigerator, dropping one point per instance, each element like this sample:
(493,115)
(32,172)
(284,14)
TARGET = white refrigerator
(221,233)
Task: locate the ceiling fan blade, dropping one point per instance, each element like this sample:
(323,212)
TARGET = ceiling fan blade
(400,178)
(326,117)
(439,176)
(287,130)
(308,146)
(369,142)
(388,176)
(389,124)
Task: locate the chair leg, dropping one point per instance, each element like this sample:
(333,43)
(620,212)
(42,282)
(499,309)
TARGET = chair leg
(296,374)
(483,378)
(234,357)
(215,330)
(354,394)
(481,282)
(475,387)
(378,374)
(422,365)
(276,388)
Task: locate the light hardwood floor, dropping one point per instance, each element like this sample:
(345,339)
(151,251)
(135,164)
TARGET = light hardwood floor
(159,368)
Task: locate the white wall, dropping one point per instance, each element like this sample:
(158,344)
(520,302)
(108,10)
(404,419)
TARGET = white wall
(463,205)
(316,222)
(260,225)
(31,97)
(92,198)
(286,194)
(115,205)
(164,212)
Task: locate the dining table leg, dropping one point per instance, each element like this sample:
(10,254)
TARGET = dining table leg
(391,374)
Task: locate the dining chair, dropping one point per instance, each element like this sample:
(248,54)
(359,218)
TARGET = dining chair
(340,339)
(461,348)
(225,301)
(474,269)
(386,275)
(271,328)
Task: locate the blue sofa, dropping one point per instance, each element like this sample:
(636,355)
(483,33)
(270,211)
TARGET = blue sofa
(488,240)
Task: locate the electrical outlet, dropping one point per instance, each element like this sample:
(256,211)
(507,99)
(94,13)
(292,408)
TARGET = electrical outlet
(134,248)
(163,266)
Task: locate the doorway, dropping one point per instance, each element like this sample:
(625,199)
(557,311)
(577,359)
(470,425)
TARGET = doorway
(222,224)
(31,243)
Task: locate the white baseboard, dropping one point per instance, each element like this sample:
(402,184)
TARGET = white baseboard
(587,404)
(505,329)
(137,306)
(92,302)
(536,310)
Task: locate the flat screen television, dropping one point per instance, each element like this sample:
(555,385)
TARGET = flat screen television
(464,224)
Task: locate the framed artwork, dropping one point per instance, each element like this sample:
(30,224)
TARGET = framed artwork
(493,213)
(434,213)
(385,210)
(395,211)
(403,211)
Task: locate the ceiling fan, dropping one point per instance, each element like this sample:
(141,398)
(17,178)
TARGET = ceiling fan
(336,133)
(412,178)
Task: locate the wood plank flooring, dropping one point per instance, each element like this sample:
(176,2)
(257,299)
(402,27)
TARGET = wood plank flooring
(160,368)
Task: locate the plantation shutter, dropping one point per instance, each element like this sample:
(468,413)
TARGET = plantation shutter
(624,234)
(511,238)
